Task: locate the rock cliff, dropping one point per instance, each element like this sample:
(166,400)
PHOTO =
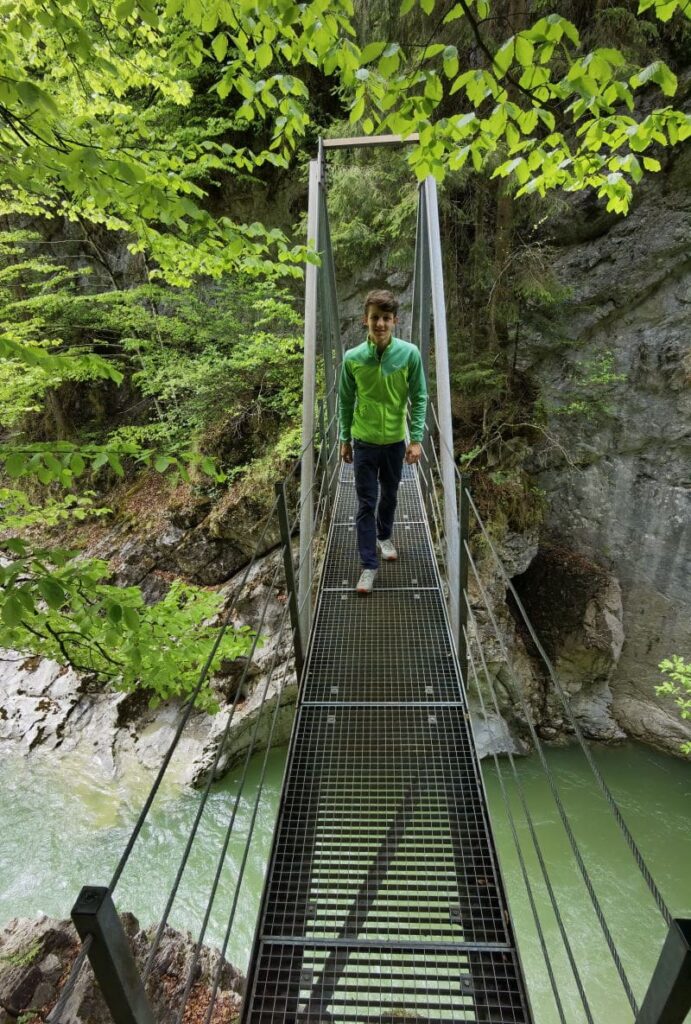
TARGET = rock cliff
(619,489)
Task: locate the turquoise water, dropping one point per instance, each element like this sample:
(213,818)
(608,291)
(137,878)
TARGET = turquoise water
(65,825)
(653,792)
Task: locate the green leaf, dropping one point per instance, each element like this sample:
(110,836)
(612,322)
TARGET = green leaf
(220,46)
(16,545)
(358,110)
(51,592)
(264,55)
(406,7)
(131,618)
(454,14)
(15,464)
(525,50)
(450,61)
(503,58)
(372,51)
(161,463)
(115,464)
(114,613)
(12,611)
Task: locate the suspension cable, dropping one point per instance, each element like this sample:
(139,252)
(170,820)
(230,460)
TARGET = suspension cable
(200,682)
(519,851)
(557,797)
(241,871)
(207,788)
(226,841)
(614,807)
(529,820)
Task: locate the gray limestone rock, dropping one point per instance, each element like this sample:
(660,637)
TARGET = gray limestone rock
(623,500)
(36,956)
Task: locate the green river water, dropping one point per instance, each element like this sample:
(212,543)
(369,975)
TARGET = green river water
(64,825)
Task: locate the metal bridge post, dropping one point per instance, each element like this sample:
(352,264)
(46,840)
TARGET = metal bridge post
(284,527)
(324,450)
(325,321)
(421,327)
(668,999)
(463,534)
(308,393)
(110,956)
(443,399)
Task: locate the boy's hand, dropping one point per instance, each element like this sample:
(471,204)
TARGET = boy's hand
(346,451)
(413,452)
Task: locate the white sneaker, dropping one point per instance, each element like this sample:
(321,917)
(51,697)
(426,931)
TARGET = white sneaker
(366,581)
(387,550)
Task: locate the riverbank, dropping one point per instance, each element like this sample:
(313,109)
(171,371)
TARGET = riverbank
(35,962)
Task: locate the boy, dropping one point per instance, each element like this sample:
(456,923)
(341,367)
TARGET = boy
(377,380)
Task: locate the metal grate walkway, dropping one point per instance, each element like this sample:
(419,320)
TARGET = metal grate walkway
(383,900)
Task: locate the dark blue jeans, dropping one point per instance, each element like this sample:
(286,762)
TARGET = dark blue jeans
(378,469)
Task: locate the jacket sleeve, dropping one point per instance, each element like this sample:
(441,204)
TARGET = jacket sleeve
(417,394)
(346,401)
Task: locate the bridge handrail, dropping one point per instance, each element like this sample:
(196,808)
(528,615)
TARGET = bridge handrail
(317,439)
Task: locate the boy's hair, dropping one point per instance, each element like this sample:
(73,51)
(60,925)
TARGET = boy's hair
(384,299)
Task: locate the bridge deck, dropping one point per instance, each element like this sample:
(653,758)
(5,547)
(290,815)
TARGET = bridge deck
(383,899)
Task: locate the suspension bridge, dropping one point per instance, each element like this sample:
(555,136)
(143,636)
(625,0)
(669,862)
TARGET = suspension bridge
(384,897)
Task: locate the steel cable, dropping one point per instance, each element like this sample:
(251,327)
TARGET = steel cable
(614,807)
(205,795)
(229,830)
(557,798)
(250,832)
(438,518)
(533,833)
(202,678)
(68,988)
(638,856)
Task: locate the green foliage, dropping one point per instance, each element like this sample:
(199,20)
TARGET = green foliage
(20,513)
(23,957)
(556,116)
(63,608)
(90,90)
(372,204)
(217,361)
(592,388)
(678,686)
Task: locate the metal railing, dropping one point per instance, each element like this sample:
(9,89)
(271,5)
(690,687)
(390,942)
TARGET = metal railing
(104,944)
(668,997)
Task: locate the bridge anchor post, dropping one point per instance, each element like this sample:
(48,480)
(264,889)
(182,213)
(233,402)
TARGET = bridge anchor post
(668,998)
(110,956)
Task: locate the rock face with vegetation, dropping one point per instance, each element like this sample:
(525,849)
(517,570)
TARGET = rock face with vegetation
(616,390)
(36,958)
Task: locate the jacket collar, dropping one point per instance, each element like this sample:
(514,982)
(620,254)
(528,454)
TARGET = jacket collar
(373,351)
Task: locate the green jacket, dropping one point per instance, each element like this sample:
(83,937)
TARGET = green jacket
(373,393)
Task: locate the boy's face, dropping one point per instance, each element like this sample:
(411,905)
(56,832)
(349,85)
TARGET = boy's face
(380,325)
